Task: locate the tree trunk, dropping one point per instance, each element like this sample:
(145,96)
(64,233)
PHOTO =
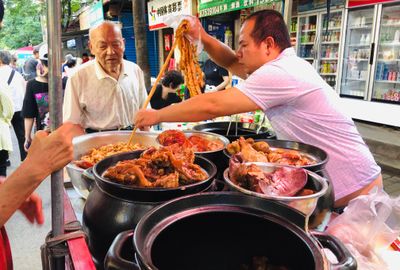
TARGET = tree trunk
(139,26)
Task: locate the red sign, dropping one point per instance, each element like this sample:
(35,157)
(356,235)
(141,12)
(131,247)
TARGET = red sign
(357,3)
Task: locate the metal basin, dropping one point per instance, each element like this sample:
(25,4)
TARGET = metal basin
(83,182)
(305,204)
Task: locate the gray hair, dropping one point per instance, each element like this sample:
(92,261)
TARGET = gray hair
(5,57)
(97,27)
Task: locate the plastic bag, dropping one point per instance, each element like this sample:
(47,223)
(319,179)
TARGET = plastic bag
(175,20)
(369,223)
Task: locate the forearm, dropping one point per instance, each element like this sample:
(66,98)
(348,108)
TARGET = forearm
(28,122)
(17,188)
(197,108)
(222,85)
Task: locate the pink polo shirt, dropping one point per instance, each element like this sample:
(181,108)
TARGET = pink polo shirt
(302,107)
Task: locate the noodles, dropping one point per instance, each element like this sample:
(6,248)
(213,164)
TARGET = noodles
(97,154)
(188,63)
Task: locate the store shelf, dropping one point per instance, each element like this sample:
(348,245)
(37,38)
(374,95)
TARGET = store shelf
(330,42)
(391,25)
(360,27)
(387,81)
(388,61)
(390,44)
(354,79)
(329,59)
(357,59)
(293,32)
(307,43)
(359,45)
(328,74)
(309,30)
(331,28)
(308,58)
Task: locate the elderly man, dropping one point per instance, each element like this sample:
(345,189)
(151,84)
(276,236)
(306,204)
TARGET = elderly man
(297,101)
(104,94)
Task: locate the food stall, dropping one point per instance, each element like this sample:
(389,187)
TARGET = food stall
(149,201)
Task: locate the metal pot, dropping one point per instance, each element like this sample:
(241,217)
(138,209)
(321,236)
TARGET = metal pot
(304,204)
(236,130)
(223,231)
(112,208)
(84,182)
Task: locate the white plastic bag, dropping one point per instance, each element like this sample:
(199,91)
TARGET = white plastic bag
(369,223)
(175,20)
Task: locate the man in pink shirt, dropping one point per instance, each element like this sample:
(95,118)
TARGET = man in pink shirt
(297,101)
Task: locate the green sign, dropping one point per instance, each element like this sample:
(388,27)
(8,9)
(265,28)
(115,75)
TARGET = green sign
(213,7)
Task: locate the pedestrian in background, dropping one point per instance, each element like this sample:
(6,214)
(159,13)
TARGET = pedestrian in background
(85,58)
(36,101)
(30,65)
(165,93)
(17,84)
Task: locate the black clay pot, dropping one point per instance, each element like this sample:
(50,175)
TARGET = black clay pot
(112,208)
(246,130)
(223,231)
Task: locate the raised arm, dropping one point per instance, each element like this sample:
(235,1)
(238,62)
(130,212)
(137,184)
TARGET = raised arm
(220,53)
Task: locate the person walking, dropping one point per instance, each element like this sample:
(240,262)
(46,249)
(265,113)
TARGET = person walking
(17,84)
(36,101)
(31,65)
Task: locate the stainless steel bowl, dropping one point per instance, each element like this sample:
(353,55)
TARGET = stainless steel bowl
(82,144)
(305,204)
(210,136)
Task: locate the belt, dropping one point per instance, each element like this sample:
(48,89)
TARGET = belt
(91,130)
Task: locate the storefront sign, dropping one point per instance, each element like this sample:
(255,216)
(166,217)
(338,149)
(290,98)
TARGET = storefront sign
(91,16)
(357,3)
(159,9)
(214,7)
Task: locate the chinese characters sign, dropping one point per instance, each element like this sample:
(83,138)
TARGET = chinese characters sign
(158,9)
(213,7)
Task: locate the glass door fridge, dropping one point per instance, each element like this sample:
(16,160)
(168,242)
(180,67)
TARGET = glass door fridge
(307,36)
(386,82)
(357,52)
(329,46)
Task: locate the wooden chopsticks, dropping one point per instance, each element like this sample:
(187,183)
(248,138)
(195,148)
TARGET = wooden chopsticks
(153,88)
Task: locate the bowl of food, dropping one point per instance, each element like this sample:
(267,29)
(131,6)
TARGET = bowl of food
(205,144)
(297,187)
(89,149)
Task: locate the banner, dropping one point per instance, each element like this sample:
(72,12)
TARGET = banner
(158,9)
(214,7)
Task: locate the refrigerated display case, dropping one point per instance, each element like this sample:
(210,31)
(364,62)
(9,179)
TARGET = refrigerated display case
(356,58)
(370,84)
(386,83)
(319,42)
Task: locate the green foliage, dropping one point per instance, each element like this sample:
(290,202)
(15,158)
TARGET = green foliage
(21,24)
(22,21)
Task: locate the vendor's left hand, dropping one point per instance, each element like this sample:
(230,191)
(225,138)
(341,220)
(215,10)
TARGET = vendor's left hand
(146,118)
(32,209)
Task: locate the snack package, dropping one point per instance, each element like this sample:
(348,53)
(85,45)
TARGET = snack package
(369,224)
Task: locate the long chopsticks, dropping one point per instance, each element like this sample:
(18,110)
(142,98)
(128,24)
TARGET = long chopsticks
(153,88)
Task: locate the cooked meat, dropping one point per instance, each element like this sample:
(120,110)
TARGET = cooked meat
(197,143)
(261,147)
(249,153)
(284,181)
(156,168)
(169,137)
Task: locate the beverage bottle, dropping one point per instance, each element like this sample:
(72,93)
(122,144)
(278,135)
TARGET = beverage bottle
(228,39)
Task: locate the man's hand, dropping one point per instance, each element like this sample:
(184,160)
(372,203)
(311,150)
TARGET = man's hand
(49,153)
(146,117)
(32,209)
(195,29)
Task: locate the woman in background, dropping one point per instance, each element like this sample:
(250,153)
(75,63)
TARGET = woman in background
(165,93)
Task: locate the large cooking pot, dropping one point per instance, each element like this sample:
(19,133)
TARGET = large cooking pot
(112,208)
(236,130)
(83,181)
(223,231)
